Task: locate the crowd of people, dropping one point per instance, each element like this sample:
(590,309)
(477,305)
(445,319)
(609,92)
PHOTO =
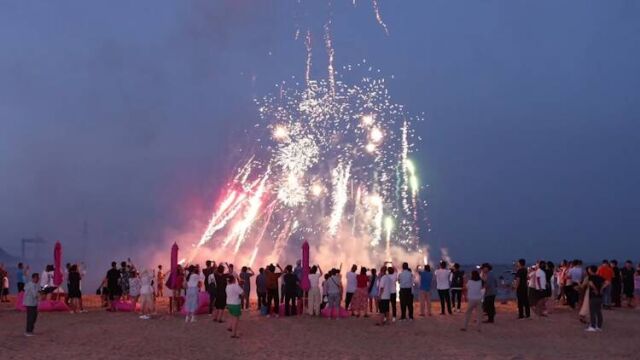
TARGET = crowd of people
(365,292)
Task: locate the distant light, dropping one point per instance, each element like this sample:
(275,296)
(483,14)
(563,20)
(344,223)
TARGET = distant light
(316,190)
(367,120)
(280,132)
(375,200)
(370,147)
(376,135)
(388,223)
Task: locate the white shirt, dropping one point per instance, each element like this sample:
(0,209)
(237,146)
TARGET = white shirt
(394,280)
(193,281)
(474,289)
(541,277)
(145,284)
(442,279)
(352,282)
(575,274)
(314,280)
(234,292)
(386,283)
(405,278)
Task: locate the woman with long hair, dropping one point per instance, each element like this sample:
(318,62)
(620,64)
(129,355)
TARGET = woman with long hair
(193,278)
(359,301)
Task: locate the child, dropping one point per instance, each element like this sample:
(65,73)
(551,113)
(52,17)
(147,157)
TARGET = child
(30,301)
(5,288)
(234,299)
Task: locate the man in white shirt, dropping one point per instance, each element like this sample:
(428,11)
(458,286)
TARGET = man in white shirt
(385,285)
(351,285)
(540,285)
(442,276)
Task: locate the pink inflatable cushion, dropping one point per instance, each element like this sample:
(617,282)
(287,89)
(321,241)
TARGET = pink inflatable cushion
(43,305)
(125,306)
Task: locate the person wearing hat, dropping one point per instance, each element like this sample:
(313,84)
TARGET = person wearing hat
(491,286)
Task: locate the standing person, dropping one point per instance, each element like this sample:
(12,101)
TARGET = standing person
(134,289)
(636,285)
(391,273)
(245,275)
(222,280)
(627,282)
(124,279)
(606,272)
(474,298)
(351,287)
(315,297)
(457,283)
(373,291)
(261,288)
(193,278)
(178,287)
(212,288)
(74,288)
(30,301)
(490,287)
(359,300)
(160,282)
(426,278)
(21,276)
(146,294)
(575,275)
(540,285)
(385,283)
(207,272)
(524,311)
(291,282)
(5,288)
(334,292)
(272,288)
(616,284)
(442,284)
(113,286)
(234,294)
(597,284)
(405,279)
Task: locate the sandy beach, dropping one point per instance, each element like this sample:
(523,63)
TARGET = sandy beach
(102,335)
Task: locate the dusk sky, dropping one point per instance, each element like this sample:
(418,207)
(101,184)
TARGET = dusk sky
(125,115)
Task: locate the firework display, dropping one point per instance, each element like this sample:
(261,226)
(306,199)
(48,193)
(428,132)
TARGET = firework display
(332,167)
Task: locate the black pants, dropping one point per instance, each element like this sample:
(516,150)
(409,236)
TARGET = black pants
(392,301)
(524,309)
(273,296)
(572,296)
(262,299)
(290,304)
(32,316)
(445,298)
(489,305)
(595,310)
(406,303)
(456,298)
(616,294)
(20,287)
(212,299)
(347,300)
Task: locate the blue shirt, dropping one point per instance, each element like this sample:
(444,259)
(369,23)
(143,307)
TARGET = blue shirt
(425,280)
(20,276)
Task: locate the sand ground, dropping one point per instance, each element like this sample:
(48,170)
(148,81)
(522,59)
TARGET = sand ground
(101,335)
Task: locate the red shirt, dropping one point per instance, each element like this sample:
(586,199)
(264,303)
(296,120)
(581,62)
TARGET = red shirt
(605,272)
(362,280)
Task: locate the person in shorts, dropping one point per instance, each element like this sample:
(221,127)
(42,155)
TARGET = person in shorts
(386,282)
(234,294)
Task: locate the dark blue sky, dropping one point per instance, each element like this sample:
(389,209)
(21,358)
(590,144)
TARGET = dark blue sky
(125,113)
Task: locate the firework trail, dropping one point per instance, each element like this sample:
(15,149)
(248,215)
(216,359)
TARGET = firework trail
(340,178)
(307,44)
(330,53)
(376,10)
